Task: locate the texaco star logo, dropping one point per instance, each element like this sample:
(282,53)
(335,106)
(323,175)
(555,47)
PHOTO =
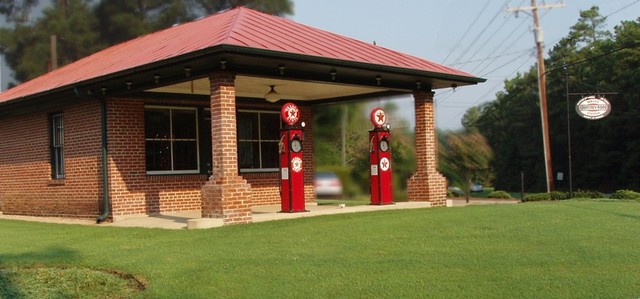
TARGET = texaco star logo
(290,113)
(296,164)
(384,164)
(378,117)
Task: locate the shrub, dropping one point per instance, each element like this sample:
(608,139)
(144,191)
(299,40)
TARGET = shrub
(499,194)
(626,194)
(557,195)
(587,194)
(537,197)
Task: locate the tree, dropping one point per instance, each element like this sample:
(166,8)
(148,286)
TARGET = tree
(83,29)
(464,154)
(28,46)
(17,11)
(605,152)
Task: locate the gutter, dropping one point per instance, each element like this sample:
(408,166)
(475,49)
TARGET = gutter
(105,166)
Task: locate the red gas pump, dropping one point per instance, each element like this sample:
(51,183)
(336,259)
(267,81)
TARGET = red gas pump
(291,166)
(380,159)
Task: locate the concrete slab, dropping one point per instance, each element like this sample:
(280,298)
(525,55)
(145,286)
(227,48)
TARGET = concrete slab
(193,219)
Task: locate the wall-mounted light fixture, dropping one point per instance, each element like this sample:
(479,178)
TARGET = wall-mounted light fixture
(129,83)
(156,79)
(187,71)
(378,79)
(418,84)
(272,96)
(223,64)
(333,74)
(281,68)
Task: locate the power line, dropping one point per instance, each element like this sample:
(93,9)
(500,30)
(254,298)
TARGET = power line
(468,29)
(623,8)
(478,36)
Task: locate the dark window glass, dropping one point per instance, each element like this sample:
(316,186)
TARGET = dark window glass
(185,155)
(269,126)
(171,140)
(57,146)
(247,126)
(258,136)
(184,124)
(158,155)
(157,123)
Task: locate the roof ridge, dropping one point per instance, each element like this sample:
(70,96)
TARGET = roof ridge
(235,22)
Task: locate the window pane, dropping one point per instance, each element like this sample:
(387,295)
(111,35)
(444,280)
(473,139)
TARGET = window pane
(269,126)
(156,123)
(185,155)
(247,126)
(248,156)
(58,130)
(184,124)
(270,155)
(158,155)
(58,164)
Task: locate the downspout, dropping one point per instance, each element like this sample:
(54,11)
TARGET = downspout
(105,166)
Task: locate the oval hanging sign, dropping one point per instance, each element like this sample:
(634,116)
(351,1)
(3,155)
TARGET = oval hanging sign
(592,107)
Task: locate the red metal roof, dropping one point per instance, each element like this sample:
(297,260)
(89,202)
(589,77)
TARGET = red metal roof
(240,27)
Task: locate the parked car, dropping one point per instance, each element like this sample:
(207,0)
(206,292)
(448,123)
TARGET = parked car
(476,187)
(455,191)
(327,184)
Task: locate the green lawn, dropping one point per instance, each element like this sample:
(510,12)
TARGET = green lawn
(567,249)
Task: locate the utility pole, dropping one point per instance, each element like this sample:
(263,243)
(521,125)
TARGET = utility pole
(542,83)
(54,52)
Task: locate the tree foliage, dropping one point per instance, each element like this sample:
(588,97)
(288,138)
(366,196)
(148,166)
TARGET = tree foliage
(83,27)
(345,127)
(605,152)
(463,155)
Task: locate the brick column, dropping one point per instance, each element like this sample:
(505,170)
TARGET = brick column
(426,184)
(226,195)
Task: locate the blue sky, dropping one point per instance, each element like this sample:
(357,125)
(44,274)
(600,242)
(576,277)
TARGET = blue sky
(496,46)
(479,37)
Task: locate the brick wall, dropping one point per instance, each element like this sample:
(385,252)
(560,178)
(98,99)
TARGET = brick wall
(26,187)
(427,184)
(132,190)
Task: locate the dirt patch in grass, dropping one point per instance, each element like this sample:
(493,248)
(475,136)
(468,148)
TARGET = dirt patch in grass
(60,282)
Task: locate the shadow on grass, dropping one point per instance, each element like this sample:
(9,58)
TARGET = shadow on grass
(28,259)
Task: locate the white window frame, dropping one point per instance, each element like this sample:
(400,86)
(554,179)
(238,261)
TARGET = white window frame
(171,140)
(259,140)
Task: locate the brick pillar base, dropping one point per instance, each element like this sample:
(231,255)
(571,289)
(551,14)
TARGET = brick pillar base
(230,201)
(226,195)
(431,187)
(427,184)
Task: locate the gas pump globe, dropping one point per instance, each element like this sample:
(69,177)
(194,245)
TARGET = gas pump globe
(380,159)
(291,161)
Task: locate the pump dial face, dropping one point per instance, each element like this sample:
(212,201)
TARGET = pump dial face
(384,145)
(296,145)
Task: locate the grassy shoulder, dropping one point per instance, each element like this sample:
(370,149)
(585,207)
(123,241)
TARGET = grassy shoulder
(568,249)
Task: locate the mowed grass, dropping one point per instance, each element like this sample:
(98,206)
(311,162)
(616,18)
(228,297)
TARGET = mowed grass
(568,249)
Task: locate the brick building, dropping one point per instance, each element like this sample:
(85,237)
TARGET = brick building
(177,119)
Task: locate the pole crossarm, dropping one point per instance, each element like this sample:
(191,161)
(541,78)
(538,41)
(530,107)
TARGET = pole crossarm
(528,8)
